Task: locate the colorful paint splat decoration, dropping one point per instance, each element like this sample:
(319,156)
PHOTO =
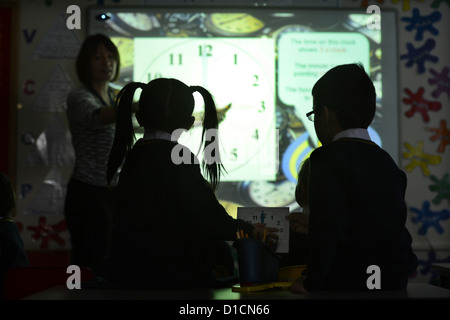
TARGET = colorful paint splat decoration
(442,134)
(428,218)
(442,81)
(427,265)
(46,232)
(420,104)
(419,158)
(420,55)
(441,187)
(422,23)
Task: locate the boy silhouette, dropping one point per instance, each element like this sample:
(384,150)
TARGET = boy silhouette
(356,193)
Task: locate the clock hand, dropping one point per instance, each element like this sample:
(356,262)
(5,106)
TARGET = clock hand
(193,17)
(275,189)
(234,19)
(204,68)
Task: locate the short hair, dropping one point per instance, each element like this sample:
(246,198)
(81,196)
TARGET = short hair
(7,196)
(349,92)
(89,48)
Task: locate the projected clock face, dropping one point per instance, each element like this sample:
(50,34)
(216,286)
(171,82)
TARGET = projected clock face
(239,74)
(233,24)
(271,193)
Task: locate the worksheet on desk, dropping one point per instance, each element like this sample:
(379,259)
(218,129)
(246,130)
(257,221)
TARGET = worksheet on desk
(273,217)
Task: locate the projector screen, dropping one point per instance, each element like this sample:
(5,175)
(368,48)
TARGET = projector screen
(260,65)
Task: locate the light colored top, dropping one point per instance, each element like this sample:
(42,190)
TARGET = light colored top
(157,135)
(359,133)
(91,139)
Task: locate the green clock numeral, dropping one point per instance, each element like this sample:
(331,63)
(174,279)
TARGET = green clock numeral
(262,107)
(173,59)
(235,58)
(234,154)
(256,78)
(256,134)
(205,50)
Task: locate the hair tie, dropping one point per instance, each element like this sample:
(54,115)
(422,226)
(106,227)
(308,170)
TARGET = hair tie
(194,88)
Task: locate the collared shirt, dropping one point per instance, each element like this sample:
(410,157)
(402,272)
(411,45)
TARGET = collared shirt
(359,133)
(157,135)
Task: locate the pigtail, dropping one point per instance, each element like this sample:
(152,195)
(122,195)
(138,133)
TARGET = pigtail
(211,163)
(124,136)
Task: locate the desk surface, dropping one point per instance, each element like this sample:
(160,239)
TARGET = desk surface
(413,291)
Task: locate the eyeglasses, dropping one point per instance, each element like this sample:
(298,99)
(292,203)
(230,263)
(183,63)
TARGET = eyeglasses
(310,115)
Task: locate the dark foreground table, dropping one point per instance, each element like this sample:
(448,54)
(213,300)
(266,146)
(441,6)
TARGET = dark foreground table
(418,291)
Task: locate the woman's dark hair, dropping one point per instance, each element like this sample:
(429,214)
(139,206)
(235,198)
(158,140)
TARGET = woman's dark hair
(166,105)
(348,91)
(89,48)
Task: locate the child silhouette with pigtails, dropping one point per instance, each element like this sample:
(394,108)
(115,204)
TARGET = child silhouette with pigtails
(170,228)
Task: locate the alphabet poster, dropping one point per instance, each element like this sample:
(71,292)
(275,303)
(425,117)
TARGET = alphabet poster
(49,199)
(58,43)
(53,146)
(52,96)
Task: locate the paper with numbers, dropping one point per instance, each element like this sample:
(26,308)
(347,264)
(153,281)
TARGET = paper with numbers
(273,217)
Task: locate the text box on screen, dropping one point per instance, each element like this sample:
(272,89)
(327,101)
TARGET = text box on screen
(303,57)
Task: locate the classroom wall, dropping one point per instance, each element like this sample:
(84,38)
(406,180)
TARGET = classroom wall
(46,73)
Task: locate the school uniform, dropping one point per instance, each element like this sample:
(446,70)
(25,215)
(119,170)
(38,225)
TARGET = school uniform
(169,223)
(357,216)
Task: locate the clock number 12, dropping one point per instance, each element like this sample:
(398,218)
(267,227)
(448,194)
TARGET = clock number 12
(205,50)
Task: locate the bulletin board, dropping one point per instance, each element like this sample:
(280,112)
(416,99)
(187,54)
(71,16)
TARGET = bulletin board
(6,126)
